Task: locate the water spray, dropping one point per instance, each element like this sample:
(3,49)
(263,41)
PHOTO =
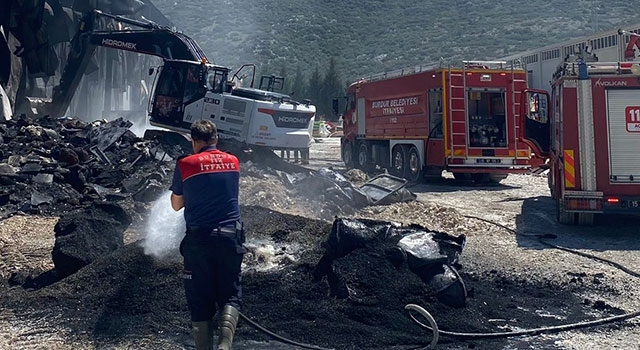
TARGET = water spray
(164,229)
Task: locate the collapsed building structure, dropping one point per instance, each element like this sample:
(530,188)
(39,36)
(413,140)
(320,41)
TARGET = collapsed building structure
(35,38)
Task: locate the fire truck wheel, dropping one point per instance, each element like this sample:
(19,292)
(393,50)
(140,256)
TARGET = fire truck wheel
(347,155)
(414,166)
(586,219)
(481,178)
(398,161)
(363,156)
(462,176)
(496,178)
(564,217)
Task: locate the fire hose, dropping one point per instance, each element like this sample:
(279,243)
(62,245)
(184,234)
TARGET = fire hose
(257,326)
(436,332)
(433,326)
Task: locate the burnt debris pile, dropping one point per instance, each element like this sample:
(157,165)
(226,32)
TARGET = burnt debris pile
(432,256)
(335,194)
(86,234)
(352,280)
(49,166)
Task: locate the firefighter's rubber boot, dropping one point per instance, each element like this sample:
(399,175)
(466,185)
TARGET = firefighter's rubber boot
(203,335)
(228,322)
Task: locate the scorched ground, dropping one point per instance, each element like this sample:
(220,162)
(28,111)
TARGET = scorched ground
(127,299)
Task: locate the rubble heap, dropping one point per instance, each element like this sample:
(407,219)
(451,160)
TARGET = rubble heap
(50,166)
(430,255)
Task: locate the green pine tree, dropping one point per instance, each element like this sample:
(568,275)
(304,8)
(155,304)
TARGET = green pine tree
(313,92)
(298,86)
(332,87)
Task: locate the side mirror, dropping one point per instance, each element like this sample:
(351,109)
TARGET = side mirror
(151,70)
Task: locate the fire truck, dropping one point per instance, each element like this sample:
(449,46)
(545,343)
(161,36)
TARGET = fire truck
(467,120)
(595,140)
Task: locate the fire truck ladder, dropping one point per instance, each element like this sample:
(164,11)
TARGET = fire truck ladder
(516,100)
(458,113)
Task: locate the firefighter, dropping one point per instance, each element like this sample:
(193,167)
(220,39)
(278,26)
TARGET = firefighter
(206,185)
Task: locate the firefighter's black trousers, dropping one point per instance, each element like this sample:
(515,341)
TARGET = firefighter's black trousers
(212,259)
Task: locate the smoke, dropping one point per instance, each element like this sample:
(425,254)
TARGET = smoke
(140,124)
(164,229)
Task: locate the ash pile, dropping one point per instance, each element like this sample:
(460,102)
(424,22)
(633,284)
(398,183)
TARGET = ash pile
(50,166)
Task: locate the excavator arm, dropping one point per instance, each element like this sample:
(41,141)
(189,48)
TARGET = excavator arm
(148,38)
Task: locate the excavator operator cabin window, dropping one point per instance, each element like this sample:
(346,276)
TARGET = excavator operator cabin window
(170,82)
(215,80)
(169,92)
(193,86)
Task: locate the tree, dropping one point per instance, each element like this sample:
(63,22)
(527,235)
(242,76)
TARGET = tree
(283,72)
(313,93)
(331,88)
(298,86)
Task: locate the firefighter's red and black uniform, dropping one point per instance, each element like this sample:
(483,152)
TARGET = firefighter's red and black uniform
(212,248)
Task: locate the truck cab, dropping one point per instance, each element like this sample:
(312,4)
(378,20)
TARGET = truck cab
(595,140)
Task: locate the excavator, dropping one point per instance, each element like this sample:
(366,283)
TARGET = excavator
(187,87)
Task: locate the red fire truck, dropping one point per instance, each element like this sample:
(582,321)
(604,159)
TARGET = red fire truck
(595,140)
(467,120)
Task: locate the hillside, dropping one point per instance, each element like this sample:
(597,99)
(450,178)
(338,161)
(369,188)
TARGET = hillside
(382,35)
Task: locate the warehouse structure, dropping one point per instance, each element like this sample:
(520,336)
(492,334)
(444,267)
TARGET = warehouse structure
(610,46)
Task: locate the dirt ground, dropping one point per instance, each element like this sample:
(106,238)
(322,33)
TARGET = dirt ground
(515,279)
